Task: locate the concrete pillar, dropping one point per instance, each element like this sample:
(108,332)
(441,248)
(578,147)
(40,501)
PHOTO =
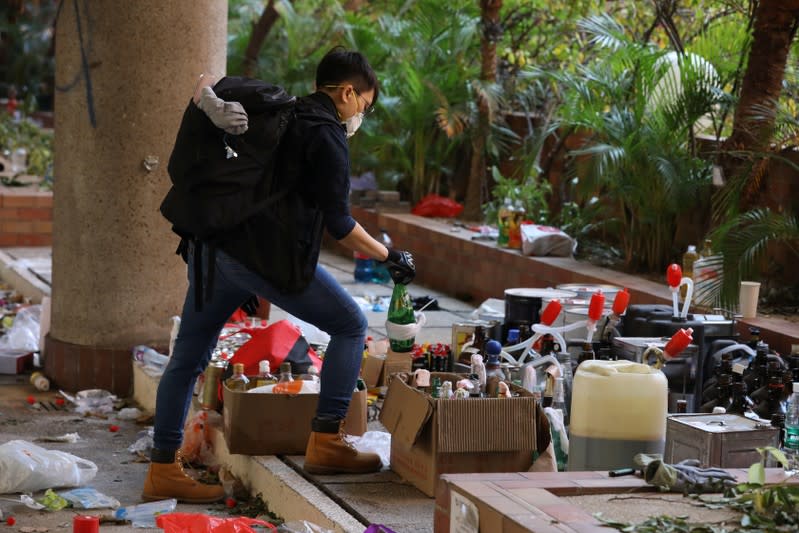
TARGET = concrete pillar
(129,69)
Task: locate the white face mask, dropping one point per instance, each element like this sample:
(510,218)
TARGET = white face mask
(353,123)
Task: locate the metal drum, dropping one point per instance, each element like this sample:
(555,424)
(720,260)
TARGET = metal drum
(583,291)
(523,305)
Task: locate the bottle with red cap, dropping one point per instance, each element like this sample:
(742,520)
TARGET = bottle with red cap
(595,309)
(620,302)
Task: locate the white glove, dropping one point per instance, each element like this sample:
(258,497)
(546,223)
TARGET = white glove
(228,116)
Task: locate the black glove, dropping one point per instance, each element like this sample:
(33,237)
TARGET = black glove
(400,266)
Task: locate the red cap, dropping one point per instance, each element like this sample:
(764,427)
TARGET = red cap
(674,275)
(86,524)
(678,342)
(620,302)
(596,306)
(551,312)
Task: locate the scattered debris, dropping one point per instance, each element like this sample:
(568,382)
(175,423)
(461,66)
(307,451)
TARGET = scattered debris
(129,413)
(70,438)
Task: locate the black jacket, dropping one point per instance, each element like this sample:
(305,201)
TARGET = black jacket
(283,243)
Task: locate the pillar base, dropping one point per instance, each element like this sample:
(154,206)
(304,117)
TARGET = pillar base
(74,367)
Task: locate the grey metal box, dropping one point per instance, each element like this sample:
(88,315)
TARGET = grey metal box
(721,440)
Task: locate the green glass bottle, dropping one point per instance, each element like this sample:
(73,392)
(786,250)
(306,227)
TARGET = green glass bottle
(400,311)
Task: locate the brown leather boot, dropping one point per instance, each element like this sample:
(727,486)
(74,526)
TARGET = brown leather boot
(329,453)
(169,480)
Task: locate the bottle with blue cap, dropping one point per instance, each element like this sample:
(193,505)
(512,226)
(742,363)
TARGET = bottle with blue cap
(494,374)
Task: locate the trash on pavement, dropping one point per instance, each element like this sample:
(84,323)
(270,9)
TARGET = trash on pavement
(30,503)
(24,332)
(197,445)
(70,438)
(180,522)
(144,515)
(149,357)
(92,401)
(378,442)
(89,498)
(27,467)
(129,413)
(144,442)
(53,501)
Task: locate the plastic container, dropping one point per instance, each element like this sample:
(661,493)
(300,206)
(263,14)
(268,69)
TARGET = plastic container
(150,357)
(40,381)
(618,409)
(86,524)
(364,267)
(143,515)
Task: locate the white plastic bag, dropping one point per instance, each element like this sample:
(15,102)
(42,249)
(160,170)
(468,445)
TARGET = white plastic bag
(378,442)
(26,467)
(546,240)
(24,332)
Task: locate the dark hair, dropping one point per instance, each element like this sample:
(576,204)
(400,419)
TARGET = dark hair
(341,65)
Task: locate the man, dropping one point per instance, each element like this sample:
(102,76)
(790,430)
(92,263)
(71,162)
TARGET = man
(313,156)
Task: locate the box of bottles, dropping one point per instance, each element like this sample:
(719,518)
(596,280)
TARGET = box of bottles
(430,436)
(268,424)
(720,440)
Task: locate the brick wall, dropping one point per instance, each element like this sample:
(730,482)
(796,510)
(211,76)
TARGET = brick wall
(26,216)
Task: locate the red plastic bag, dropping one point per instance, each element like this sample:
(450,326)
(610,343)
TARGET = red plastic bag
(434,205)
(277,343)
(202,523)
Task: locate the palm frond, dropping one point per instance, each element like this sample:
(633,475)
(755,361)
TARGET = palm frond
(604,31)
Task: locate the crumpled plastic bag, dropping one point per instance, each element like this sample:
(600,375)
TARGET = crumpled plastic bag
(378,442)
(144,442)
(203,523)
(89,498)
(24,332)
(434,205)
(92,401)
(30,468)
(545,240)
(197,444)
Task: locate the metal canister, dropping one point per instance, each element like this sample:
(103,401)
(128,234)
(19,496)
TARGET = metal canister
(209,396)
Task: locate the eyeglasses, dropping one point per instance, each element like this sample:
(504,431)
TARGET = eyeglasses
(368,109)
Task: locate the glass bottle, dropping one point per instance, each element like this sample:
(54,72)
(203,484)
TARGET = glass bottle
(238,381)
(515,226)
(474,379)
(756,374)
(739,403)
(265,376)
(549,391)
(587,354)
(400,312)
(773,403)
(493,369)
(285,373)
(723,394)
(688,259)
(503,222)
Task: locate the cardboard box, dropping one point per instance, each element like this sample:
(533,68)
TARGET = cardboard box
(268,424)
(15,361)
(430,437)
(395,363)
(372,370)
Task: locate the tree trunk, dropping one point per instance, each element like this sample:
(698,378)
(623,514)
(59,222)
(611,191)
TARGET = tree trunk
(753,125)
(259,32)
(491,33)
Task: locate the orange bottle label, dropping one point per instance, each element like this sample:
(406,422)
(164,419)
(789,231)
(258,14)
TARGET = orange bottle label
(288,387)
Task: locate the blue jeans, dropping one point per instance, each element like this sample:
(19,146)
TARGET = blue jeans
(324,303)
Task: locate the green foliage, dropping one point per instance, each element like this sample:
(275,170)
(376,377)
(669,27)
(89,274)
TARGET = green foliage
(636,124)
(531,192)
(37,141)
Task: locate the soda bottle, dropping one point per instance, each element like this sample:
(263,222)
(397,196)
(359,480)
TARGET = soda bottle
(285,383)
(400,312)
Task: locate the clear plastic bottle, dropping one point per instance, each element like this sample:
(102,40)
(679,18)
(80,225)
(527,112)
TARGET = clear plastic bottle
(364,267)
(559,400)
(503,221)
(150,357)
(238,381)
(143,515)
(791,446)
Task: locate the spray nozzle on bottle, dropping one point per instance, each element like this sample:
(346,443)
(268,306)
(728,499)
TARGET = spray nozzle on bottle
(595,309)
(676,280)
(620,302)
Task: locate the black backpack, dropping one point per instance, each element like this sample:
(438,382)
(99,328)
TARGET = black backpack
(221,180)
